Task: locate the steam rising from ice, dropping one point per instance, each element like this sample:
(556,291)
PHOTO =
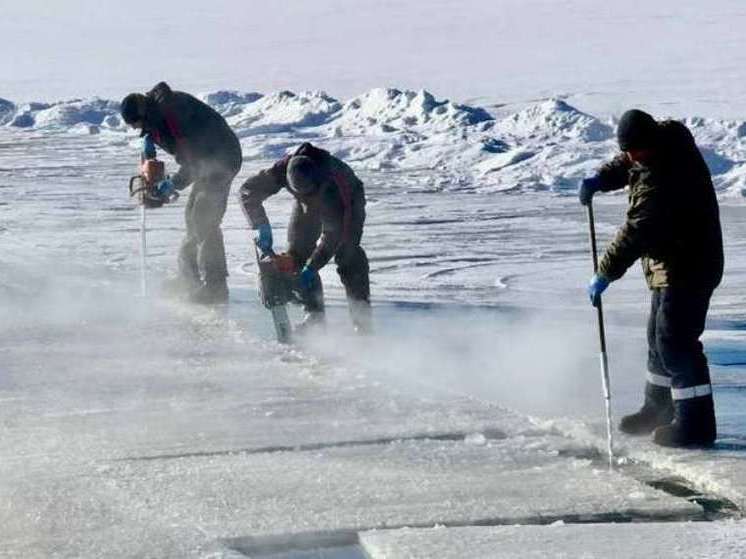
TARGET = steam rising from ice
(535,363)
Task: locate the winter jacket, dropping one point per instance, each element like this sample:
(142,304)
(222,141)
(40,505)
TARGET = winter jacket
(340,202)
(195,134)
(673,221)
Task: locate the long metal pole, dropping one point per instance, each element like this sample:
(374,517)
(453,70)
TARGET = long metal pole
(602,340)
(143,252)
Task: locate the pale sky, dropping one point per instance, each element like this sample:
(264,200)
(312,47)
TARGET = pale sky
(685,54)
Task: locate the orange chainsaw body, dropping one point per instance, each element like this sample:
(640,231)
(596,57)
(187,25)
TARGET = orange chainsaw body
(285,263)
(153,171)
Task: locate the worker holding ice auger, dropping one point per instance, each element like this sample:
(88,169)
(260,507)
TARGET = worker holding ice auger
(210,157)
(673,225)
(327,221)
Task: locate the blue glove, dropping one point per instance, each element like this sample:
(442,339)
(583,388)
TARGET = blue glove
(308,278)
(165,188)
(263,239)
(588,187)
(148,147)
(596,287)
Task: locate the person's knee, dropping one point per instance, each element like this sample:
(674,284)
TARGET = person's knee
(351,257)
(207,219)
(654,362)
(676,354)
(206,228)
(355,277)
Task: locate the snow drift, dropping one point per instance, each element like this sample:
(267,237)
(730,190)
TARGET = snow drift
(548,145)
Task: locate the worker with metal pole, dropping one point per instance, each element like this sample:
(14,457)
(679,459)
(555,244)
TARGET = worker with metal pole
(673,227)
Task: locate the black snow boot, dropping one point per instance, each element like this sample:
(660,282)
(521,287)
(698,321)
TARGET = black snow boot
(656,411)
(210,293)
(693,424)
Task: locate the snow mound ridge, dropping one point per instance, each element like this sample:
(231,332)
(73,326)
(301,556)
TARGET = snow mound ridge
(7,110)
(229,102)
(67,114)
(381,110)
(554,118)
(283,112)
(229,97)
(392,109)
(549,145)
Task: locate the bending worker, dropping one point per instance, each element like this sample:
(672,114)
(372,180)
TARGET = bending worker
(209,156)
(327,221)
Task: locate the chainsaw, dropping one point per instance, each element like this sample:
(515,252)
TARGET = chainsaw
(278,275)
(152,172)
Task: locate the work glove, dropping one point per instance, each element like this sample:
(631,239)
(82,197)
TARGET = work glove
(596,287)
(263,238)
(165,188)
(588,187)
(148,147)
(308,278)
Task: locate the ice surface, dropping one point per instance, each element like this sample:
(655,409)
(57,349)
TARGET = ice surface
(622,541)
(118,442)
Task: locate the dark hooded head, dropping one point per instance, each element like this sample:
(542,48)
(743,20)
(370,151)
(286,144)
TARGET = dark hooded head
(304,175)
(637,130)
(133,108)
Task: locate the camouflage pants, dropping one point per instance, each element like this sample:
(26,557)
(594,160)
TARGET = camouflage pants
(202,253)
(304,231)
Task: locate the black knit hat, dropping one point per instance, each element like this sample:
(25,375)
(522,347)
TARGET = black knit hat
(636,130)
(131,108)
(303,175)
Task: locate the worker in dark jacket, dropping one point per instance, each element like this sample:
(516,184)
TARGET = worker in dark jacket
(673,225)
(209,156)
(327,221)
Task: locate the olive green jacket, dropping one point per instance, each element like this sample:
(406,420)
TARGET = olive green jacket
(673,222)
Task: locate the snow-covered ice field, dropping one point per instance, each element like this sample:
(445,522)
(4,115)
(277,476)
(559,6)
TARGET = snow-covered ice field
(471,424)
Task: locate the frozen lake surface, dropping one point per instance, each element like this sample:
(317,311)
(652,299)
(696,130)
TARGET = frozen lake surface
(471,424)
(144,427)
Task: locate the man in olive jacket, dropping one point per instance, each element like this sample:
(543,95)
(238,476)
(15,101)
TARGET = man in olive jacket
(327,221)
(209,155)
(673,226)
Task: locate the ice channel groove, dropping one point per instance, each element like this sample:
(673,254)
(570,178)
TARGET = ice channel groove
(287,543)
(490,434)
(714,507)
(349,537)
